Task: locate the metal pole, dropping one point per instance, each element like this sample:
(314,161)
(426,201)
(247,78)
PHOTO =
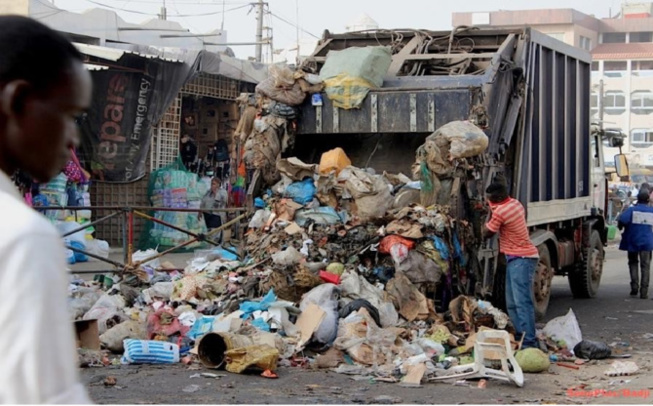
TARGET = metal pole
(130,235)
(124,237)
(259,31)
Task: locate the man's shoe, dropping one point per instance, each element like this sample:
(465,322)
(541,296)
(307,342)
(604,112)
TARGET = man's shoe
(633,292)
(643,295)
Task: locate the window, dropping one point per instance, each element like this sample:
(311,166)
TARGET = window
(560,36)
(641,102)
(642,68)
(585,43)
(641,137)
(595,66)
(594,104)
(615,69)
(614,38)
(614,103)
(641,36)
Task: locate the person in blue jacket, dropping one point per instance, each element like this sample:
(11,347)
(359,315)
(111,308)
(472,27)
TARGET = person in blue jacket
(637,239)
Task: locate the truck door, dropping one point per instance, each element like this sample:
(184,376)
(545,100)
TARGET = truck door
(598,174)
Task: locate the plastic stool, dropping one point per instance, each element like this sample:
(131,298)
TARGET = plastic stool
(490,345)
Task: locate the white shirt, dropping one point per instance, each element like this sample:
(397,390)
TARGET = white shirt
(39,359)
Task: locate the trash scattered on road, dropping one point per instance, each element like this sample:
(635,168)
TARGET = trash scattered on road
(622,368)
(191,388)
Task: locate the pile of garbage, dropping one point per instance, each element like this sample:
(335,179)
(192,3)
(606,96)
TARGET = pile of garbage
(341,271)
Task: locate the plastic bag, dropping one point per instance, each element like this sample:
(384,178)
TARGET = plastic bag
(202,326)
(83,302)
(565,328)
(79,257)
(292,96)
(160,290)
(288,257)
(389,241)
(349,74)
(301,192)
(357,304)
(141,255)
(106,308)
(320,215)
(250,307)
(67,226)
(326,297)
(113,338)
(149,352)
(262,357)
(467,140)
(98,247)
(592,350)
(259,218)
(281,75)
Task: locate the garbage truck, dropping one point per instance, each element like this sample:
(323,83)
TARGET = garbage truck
(530,93)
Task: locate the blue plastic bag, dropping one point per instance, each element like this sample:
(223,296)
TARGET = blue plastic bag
(250,307)
(225,254)
(79,257)
(301,192)
(259,203)
(442,247)
(261,324)
(202,326)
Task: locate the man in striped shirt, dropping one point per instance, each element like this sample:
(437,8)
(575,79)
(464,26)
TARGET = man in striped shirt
(508,218)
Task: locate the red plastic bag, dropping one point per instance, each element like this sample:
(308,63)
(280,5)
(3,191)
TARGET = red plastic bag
(389,241)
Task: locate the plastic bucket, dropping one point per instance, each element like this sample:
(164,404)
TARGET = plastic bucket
(212,347)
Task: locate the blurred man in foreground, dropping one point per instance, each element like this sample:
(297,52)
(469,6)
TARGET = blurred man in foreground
(43,88)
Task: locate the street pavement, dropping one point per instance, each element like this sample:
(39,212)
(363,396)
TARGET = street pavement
(612,317)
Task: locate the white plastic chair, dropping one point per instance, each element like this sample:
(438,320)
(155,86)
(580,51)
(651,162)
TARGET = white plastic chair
(490,345)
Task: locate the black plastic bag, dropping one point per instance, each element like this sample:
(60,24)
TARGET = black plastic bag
(357,304)
(592,350)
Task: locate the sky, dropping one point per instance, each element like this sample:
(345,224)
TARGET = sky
(314,16)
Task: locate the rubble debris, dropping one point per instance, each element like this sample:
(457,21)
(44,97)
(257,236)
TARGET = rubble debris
(622,368)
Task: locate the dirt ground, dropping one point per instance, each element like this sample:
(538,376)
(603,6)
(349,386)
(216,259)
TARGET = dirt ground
(611,317)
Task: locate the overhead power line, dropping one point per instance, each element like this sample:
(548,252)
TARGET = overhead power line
(293,24)
(169,15)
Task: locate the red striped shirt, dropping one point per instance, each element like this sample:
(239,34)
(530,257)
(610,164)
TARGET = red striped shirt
(509,220)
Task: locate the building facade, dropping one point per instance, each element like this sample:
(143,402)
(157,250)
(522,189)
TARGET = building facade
(102,27)
(622,67)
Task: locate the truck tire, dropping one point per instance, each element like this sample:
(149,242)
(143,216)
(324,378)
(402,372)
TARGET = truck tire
(542,282)
(584,281)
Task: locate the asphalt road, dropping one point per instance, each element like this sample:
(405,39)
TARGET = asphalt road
(611,317)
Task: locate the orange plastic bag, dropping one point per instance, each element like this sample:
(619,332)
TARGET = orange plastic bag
(390,240)
(336,159)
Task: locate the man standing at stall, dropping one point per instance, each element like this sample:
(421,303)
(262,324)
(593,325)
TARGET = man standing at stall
(43,88)
(508,218)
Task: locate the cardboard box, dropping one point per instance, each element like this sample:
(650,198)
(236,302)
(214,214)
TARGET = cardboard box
(87,334)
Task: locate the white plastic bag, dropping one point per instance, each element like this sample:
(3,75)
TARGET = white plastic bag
(113,338)
(326,297)
(260,218)
(565,328)
(98,247)
(141,255)
(67,226)
(467,140)
(288,257)
(107,307)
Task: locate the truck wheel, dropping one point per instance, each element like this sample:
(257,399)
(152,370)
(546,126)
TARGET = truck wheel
(584,281)
(542,282)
